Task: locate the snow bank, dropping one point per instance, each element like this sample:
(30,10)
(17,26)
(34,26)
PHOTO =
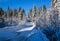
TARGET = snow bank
(27,29)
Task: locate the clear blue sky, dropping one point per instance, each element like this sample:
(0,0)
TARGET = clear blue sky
(26,4)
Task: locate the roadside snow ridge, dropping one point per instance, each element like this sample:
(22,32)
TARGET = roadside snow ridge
(27,29)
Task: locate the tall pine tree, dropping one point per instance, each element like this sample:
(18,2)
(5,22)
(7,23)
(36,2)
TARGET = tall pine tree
(15,13)
(35,13)
(1,12)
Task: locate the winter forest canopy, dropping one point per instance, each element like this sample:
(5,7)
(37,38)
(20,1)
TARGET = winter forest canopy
(16,25)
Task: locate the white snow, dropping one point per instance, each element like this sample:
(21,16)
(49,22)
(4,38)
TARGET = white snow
(27,29)
(20,32)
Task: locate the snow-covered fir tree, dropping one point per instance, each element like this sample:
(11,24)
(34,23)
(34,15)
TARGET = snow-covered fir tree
(15,13)
(41,16)
(1,12)
(21,14)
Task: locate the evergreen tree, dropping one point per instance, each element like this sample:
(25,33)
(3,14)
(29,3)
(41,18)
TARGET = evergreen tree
(42,17)
(30,13)
(1,12)
(5,15)
(39,11)
(19,13)
(35,11)
(44,14)
(15,13)
(9,12)
(20,9)
(44,8)
(23,14)
(9,15)
(54,18)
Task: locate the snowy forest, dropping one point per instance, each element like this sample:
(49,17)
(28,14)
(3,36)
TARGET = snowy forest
(39,24)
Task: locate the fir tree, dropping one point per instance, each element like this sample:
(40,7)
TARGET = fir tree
(35,11)
(1,12)
(15,13)
(22,14)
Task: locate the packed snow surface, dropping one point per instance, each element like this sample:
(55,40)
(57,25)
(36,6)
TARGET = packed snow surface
(22,32)
(27,29)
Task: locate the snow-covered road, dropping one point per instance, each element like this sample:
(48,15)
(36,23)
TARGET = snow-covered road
(28,33)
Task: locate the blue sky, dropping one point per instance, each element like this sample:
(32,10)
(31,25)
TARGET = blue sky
(26,4)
